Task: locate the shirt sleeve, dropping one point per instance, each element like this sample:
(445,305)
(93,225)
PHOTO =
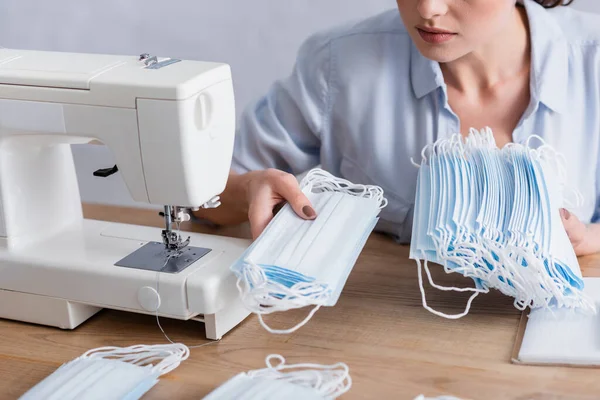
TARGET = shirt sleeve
(596,215)
(283,128)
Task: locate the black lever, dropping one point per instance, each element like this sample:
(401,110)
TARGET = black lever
(105,172)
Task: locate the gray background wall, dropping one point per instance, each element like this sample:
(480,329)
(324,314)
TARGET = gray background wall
(258,38)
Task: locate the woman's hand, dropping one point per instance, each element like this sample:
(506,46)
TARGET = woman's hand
(254,196)
(265,190)
(584,238)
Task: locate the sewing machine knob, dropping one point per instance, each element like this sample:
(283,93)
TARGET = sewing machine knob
(149,298)
(105,172)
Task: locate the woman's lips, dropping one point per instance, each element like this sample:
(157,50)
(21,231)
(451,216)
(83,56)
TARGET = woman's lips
(435,36)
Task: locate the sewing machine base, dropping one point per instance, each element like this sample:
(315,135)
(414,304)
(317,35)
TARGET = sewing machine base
(65,280)
(63,314)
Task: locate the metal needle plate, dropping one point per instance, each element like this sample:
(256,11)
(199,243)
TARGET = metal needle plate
(152,257)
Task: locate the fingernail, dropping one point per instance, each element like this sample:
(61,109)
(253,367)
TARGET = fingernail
(565,213)
(278,208)
(308,211)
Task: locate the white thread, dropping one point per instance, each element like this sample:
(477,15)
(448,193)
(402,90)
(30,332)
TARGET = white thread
(172,255)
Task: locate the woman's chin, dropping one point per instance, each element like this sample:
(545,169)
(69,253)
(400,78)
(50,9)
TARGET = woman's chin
(442,53)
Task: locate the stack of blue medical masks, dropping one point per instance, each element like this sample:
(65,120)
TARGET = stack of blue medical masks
(296,262)
(494,215)
(110,373)
(290,382)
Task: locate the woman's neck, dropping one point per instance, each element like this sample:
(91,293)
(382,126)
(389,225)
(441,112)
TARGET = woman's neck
(505,57)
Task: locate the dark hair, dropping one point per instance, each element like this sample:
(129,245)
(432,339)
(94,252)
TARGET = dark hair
(554,3)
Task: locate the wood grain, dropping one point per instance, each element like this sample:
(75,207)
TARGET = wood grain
(394,347)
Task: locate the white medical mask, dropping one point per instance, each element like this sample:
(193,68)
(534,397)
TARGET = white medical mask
(296,262)
(244,387)
(493,215)
(290,382)
(109,373)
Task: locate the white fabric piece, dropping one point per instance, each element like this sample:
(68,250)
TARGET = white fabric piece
(560,336)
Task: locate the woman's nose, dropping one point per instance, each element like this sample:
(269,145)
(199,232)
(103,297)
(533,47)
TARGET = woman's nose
(429,9)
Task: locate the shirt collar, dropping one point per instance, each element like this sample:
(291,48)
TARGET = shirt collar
(425,74)
(549,62)
(549,58)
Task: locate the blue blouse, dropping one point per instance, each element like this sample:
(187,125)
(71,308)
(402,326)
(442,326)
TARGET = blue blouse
(361,101)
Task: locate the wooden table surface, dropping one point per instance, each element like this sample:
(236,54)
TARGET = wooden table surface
(395,348)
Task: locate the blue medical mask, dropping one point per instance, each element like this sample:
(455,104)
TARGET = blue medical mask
(562,253)
(281,381)
(110,373)
(493,215)
(429,222)
(295,262)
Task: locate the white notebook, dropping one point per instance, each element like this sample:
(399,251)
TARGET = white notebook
(561,337)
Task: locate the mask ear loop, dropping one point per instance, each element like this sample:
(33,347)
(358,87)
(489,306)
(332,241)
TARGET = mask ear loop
(171,355)
(261,295)
(469,270)
(260,290)
(431,310)
(330,381)
(424,158)
(448,288)
(292,329)
(511,273)
(530,138)
(321,180)
(560,165)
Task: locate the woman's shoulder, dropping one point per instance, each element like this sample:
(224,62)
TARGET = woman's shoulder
(387,22)
(375,28)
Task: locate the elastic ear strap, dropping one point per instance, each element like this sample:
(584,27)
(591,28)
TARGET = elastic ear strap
(253,296)
(474,272)
(171,355)
(330,381)
(446,288)
(319,179)
(440,314)
(260,295)
(292,329)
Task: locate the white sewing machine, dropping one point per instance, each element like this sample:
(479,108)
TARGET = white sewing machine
(170,126)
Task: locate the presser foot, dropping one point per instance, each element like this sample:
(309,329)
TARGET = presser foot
(172,241)
(171,238)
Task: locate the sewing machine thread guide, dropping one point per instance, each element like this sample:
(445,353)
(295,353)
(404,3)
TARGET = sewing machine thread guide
(152,257)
